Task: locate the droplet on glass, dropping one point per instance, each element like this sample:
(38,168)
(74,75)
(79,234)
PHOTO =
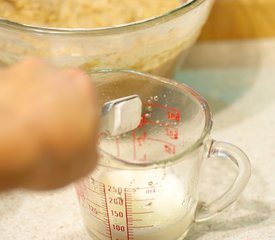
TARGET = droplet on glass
(147,115)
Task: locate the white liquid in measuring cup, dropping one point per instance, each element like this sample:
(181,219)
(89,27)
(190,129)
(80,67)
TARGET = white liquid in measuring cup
(136,205)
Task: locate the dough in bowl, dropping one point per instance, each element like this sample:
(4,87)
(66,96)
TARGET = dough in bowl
(83,13)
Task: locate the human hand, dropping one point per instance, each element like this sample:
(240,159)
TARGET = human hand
(48,127)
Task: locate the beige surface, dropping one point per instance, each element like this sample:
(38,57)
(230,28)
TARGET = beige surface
(238,80)
(239,19)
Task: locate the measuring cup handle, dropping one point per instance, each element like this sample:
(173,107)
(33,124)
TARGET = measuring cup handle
(226,151)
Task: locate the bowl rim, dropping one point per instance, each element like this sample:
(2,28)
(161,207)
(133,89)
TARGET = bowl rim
(146,23)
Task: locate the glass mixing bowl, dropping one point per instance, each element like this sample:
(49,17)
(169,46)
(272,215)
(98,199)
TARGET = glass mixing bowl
(153,45)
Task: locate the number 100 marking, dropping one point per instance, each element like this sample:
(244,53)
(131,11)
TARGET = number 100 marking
(119,228)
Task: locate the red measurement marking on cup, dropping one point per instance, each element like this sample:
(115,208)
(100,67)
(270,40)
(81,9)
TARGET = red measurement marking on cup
(173,116)
(80,191)
(143,200)
(134,218)
(98,206)
(134,145)
(138,141)
(142,212)
(159,140)
(106,207)
(172,133)
(143,121)
(140,136)
(145,226)
(172,113)
(94,210)
(96,217)
(101,233)
(144,158)
(167,147)
(161,106)
(170,149)
(93,190)
(119,210)
(141,139)
(128,208)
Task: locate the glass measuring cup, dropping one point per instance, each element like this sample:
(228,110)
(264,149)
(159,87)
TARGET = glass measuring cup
(146,184)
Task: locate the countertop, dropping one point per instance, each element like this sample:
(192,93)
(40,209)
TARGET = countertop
(238,80)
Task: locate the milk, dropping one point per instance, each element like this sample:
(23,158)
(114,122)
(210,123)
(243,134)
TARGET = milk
(139,205)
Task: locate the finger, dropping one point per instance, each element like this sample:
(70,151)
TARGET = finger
(50,174)
(76,124)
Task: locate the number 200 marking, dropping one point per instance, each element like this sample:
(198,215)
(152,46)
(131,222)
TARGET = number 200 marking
(116,201)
